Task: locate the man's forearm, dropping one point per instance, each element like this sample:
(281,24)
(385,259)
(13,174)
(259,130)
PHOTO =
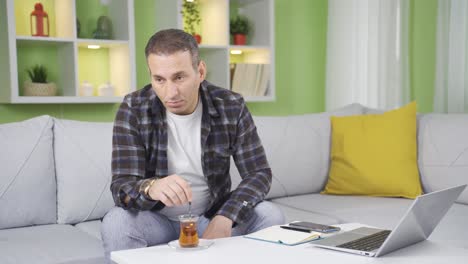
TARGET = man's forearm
(251,190)
(126,193)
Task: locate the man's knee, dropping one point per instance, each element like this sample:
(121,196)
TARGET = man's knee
(131,229)
(271,213)
(115,222)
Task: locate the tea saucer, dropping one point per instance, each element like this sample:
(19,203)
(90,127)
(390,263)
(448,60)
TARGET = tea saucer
(202,244)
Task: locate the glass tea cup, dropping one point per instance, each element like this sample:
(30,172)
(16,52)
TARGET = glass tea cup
(188,230)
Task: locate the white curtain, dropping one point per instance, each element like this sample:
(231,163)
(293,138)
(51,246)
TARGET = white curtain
(367,53)
(451,84)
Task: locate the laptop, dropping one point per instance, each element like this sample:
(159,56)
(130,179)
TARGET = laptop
(416,225)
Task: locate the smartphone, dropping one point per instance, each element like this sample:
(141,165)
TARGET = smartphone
(315,227)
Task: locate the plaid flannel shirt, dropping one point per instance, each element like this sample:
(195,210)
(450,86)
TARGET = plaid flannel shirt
(140,152)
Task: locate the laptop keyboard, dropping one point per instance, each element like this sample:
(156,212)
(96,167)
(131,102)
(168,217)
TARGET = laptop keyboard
(367,243)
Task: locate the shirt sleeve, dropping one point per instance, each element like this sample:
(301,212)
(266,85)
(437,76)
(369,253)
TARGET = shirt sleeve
(253,167)
(128,161)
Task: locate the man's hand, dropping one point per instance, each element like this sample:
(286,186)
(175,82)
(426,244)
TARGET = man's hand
(171,190)
(220,226)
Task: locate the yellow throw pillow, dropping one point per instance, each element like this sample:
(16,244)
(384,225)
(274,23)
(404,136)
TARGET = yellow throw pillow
(375,155)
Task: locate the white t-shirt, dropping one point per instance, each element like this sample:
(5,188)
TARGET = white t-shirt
(184,159)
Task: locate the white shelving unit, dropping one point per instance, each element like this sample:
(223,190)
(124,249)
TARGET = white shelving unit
(72,62)
(70,57)
(216,45)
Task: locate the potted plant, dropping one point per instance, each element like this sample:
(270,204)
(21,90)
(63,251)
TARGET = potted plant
(192,19)
(239,27)
(39,86)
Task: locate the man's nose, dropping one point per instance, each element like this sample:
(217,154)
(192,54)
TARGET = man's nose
(173,90)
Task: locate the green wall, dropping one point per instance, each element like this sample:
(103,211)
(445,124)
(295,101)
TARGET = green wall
(301,34)
(301,27)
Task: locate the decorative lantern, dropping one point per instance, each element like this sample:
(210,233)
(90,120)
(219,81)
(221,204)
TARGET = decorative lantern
(37,20)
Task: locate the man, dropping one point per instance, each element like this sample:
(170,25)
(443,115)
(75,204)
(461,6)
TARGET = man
(172,145)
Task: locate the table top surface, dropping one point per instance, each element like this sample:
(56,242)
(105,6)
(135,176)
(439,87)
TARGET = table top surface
(239,249)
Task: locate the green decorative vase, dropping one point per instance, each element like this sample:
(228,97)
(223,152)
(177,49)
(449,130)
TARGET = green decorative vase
(104,28)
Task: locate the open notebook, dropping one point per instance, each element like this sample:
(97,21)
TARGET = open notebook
(275,234)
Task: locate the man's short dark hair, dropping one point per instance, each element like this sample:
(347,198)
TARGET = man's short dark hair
(170,41)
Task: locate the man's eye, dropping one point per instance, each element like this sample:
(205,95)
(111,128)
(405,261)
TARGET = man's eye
(158,80)
(179,78)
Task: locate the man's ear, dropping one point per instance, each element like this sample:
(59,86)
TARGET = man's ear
(202,70)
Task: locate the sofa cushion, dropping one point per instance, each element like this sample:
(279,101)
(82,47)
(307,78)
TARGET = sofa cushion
(49,244)
(375,155)
(92,228)
(297,149)
(443,152)
(292,213)
(452,228)
(27,175)
(375,211)
(83,167)
(368,110)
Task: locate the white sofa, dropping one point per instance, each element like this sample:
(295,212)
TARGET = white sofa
(55,176)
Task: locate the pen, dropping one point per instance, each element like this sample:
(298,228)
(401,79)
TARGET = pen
(295,229)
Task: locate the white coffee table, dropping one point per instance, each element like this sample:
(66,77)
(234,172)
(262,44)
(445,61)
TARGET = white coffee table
(237,250)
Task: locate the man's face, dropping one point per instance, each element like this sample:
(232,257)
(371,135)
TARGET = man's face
(175,81)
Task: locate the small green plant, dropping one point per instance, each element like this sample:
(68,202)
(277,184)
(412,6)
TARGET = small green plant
(191,16)
(38,74)
(239,25)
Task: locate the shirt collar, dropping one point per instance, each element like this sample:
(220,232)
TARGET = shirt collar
(207,99)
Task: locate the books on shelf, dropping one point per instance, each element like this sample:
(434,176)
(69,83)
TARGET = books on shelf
(276,234)
(250,79)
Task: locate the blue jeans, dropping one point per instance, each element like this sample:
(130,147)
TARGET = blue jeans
(122,229)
